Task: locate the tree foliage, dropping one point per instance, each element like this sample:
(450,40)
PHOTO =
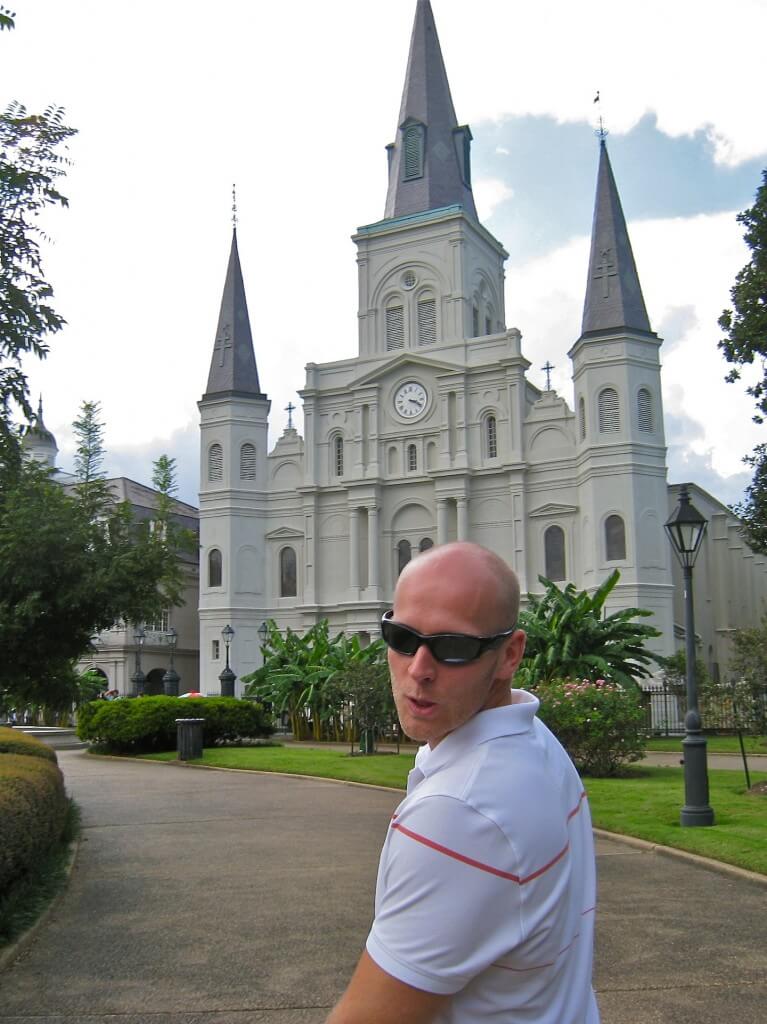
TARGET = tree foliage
(301,675)
(570,637)
(31,164)
(71,564)
(745,343)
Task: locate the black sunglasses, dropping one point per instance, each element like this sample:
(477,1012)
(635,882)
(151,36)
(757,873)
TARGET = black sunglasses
(449,648)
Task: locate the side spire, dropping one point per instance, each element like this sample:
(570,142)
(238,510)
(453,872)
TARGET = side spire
(233,365)
(429,163)
(613,293)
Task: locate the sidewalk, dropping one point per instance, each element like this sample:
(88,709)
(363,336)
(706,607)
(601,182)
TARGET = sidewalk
(230,897)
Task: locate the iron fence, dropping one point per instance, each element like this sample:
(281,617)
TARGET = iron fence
(721,710)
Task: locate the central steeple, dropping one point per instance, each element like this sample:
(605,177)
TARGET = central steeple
(429,163)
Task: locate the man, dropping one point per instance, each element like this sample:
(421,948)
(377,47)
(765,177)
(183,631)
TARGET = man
(486,891)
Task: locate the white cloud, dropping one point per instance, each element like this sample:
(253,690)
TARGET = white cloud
(489,193)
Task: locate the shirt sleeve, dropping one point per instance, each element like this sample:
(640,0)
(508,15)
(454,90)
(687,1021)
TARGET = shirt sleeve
(448,902)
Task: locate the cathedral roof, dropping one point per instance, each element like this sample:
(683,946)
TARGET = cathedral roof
(37,430)
(429,161)
(233,365)
(613,293)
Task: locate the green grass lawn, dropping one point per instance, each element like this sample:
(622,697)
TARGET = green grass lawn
(715,744)
(646,803)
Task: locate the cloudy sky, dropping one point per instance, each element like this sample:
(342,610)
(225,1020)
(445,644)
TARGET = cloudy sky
(174,101)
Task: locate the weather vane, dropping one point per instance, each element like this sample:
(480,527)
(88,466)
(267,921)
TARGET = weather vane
(234,207)
(601,131)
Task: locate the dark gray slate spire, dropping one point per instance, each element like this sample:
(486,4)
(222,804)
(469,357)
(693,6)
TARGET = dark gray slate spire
(613,293)
(429,164)
(233,366)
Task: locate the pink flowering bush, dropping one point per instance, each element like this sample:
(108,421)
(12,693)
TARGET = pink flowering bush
(600,724)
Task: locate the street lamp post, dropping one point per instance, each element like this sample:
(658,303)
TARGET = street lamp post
(227,677)
(138,678)
(685,529)
(171,678)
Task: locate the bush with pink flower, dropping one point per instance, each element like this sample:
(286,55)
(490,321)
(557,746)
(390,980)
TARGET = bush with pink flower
(601,724)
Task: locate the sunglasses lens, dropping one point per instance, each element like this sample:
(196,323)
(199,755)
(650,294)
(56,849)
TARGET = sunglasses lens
(400,638)
(454,649)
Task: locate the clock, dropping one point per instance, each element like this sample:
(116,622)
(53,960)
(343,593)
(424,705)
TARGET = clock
(410,399)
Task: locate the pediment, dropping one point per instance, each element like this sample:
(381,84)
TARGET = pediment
(405,360)
(284,533)
(553,508)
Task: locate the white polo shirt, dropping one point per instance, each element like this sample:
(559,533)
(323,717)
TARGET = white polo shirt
(486,885)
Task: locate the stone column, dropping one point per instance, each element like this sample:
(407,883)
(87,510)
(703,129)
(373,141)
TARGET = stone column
(374,560)
(463,518)
(442,520)
(354,548)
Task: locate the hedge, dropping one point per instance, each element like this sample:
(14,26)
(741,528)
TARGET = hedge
(14,742)
(33,810)
(147,724)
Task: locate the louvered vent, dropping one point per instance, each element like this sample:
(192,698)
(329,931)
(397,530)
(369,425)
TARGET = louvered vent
(215,462)
(414,152)
(609,412)
(248,462)
(644,408)
(395,327)
(427,322)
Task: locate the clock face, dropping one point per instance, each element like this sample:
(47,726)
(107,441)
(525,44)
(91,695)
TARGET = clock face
(410,399)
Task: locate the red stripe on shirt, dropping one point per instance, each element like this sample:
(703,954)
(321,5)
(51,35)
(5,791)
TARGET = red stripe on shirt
(478,863)
(538,967)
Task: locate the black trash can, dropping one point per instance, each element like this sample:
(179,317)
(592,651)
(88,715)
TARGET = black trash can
(189,738)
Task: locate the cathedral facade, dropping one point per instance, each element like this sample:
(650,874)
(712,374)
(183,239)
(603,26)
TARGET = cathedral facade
(433,432)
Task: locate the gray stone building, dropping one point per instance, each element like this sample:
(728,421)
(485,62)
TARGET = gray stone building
(432,431)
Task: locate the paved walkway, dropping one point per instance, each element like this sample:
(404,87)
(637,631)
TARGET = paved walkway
(202,897)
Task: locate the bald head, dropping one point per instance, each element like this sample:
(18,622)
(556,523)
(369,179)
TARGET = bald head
(488,588)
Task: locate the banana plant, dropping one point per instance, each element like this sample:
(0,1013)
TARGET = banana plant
(569,636)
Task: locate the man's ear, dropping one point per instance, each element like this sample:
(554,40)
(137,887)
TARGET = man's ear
(514,651)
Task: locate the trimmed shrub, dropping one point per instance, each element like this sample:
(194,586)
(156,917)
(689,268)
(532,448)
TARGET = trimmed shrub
(33,811)
(148,724)
(14,742)
(600,724)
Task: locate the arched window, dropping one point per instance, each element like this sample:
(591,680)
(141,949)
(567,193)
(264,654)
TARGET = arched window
(491,437)
(644,410)
(427,321)
(582,418)
(395,326)
(426,543)
(609,411)
(248,461)
(403,555)
(338,455)
(288,575)
(412,458)
(554,553)
(615,538)
(413,151)
(214,568)
(215,462)
(489,320)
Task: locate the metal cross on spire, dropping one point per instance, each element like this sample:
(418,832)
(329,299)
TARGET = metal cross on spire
(290,409)
(548,368)
(601,131)
(234,207)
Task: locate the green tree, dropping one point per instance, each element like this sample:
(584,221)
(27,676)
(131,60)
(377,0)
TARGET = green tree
(299,676)
(31,165)
(570,636)
(71,563)
(745,343)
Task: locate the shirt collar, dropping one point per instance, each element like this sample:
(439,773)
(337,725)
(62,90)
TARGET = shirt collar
(508,720)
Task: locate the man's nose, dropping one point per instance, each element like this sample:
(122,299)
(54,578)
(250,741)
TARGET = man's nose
(423,665)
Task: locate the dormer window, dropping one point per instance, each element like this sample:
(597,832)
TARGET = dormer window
(412,144)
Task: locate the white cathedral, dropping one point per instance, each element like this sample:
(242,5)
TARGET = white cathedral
(432,432)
